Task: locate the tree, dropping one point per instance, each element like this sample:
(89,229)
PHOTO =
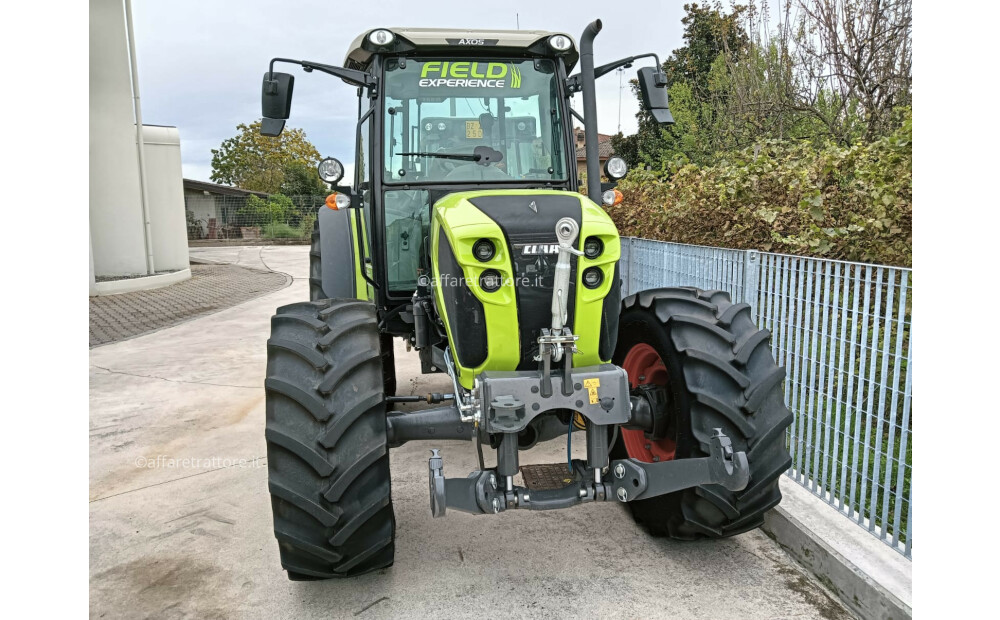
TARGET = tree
(259,163)
(708,33)
(861,53)
(828,70)
(301,179)
(696,81)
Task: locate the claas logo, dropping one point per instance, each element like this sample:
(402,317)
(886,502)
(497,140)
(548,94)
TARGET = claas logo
(469,74)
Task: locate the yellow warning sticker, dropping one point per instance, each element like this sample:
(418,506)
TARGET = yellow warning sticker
(592,383)
(473,130)
(592,393)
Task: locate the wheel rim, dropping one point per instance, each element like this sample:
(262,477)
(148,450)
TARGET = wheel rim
(644,366)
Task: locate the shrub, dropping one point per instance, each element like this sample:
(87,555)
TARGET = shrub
(853,203)
(266,211)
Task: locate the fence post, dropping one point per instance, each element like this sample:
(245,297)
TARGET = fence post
(751,277)
(751,271)
(625,266)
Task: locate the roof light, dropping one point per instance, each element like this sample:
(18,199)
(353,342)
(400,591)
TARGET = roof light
(381,37)
(560,42)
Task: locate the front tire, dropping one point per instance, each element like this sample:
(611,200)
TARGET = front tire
(316,293)
(327,453)
(719,373)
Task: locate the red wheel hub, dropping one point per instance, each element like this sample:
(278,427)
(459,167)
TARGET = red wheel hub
(644,366)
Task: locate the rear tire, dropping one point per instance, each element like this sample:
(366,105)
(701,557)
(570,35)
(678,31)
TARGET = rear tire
(327,454)
(720,373)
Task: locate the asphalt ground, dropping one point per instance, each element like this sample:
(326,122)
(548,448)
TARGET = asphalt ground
(180,519)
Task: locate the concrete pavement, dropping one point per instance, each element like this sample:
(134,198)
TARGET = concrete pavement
(180,522)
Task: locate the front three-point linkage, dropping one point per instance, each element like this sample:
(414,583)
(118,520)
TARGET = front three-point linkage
(631,480)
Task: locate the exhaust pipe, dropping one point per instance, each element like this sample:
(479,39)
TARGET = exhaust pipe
(590,110)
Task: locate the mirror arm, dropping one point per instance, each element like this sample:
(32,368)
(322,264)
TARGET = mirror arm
(351,76)
(574,83)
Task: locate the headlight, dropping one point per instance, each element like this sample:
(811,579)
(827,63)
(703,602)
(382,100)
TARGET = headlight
(560,42)
(484,250)
(592,277)
(428,126)
(615,168)
(593,247)
(381,37)
(442,126)
(491,280)
(330,170)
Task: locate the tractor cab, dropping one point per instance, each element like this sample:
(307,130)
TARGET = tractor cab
(442,111)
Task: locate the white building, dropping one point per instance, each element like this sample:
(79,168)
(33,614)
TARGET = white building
(138,236)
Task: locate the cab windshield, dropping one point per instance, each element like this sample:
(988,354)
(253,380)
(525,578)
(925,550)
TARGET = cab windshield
(472,121)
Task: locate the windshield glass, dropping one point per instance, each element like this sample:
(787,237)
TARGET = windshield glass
(472,121)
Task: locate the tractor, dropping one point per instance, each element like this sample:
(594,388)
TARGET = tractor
(466,233)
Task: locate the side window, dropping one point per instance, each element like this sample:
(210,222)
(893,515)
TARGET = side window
(407,226)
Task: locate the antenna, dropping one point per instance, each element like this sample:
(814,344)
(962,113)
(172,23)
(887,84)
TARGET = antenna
(517,17)
(621,72)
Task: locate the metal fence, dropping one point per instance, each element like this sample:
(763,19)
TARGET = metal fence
(250,218)
(843,333)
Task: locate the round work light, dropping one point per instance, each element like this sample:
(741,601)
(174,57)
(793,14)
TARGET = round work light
(330,170)
(615,168)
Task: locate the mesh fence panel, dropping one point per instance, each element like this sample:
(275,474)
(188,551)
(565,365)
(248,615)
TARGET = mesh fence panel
(252,218)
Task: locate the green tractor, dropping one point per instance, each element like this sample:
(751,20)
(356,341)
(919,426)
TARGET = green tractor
(465,234)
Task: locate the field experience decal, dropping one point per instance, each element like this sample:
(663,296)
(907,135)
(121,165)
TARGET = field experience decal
(469,74)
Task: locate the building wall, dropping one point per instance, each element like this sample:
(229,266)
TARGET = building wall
(165,191)
(202,207)
(116,226)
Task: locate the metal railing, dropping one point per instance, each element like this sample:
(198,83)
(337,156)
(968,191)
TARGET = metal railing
(843,333)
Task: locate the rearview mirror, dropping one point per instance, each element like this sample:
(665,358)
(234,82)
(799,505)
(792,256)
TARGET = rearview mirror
(275,102)
(653,88)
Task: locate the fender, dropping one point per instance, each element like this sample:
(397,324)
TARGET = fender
(339,260)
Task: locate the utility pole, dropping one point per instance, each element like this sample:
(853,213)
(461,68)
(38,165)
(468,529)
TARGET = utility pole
(139,143)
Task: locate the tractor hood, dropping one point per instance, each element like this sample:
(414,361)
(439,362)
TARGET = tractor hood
(494,309)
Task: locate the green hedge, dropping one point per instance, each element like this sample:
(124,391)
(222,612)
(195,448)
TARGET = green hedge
(853,203)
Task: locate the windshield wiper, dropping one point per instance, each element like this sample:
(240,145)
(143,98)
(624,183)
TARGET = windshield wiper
(461,156)
(481,155)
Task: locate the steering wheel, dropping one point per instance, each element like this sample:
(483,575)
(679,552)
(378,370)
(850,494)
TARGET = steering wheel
(442,166)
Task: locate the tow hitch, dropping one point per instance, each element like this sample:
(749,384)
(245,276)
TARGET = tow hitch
(630,480)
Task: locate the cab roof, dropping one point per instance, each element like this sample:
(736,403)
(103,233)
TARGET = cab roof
(443,39)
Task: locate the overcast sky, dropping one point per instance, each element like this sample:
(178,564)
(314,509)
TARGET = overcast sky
(201,62)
